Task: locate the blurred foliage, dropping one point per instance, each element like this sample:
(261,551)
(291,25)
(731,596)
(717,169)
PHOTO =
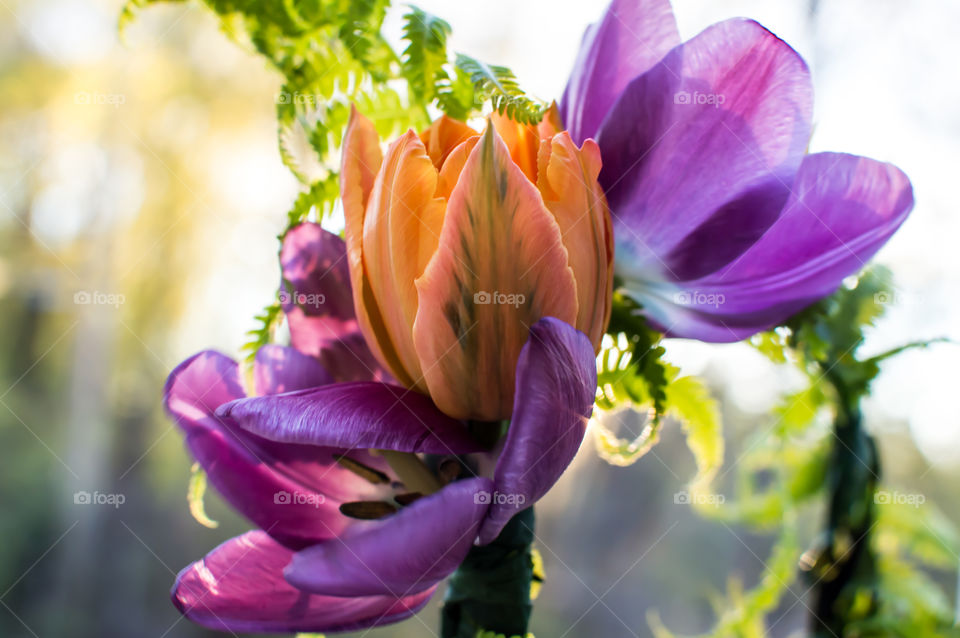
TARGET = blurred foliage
(875,561)
(331,54)
(631,371)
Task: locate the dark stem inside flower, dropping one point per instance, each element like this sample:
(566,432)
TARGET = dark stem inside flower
(367,510)
(488,433)
(363,471)
(413,472)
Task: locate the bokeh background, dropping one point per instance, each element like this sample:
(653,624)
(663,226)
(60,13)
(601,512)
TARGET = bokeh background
(140,195)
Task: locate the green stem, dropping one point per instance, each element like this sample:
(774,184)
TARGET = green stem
(490,591)
(845,571)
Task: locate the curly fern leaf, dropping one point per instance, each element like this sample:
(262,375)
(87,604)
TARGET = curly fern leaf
(499,85)
(196,490)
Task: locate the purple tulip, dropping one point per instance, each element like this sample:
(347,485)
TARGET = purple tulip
(724,225)
(344,543)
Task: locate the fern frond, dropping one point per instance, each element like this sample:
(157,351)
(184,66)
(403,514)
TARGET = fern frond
(267,321)
(499,85)
(425,56)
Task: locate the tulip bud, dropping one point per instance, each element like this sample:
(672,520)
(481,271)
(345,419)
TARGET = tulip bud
(459,242)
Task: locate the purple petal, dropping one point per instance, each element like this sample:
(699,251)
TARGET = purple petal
(314,261)
(239,587)
(843,209)
(407,552)
(198,386)
(279,369)
(631,37)
(556,386)
(364,415)
(348,356)
(295,491)
(700,152)
(320,309)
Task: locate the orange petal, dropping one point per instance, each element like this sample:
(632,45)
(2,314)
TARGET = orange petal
(551,124)
(359,164)
(568,183)
(500,245)
(453,166)
(522,140)
(443,136)
(401,231)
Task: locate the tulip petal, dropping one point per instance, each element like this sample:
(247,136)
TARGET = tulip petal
(319,308)
(239,587)
(843,209)
(293,490)
(568,181)
(699,153)
(353,416)
(314,262)
(522,140)
(442,136)
(281,369)
(498,238)
(631,37)
(409,551)
(361,160)
(556,386)
(453,166)
(400,234)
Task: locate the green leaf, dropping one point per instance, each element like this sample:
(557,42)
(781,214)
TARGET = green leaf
(425,56)
(912,527)
(268,321)
(195,492)
(630,368)
(623,452)
(689,400)
(499,85)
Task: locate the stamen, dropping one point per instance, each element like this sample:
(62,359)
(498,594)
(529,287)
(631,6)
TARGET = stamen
(449,470)
(414,473)
(407,498)
(363,471)
(367,510)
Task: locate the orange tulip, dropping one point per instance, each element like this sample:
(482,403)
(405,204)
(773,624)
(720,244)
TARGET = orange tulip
(459,242)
